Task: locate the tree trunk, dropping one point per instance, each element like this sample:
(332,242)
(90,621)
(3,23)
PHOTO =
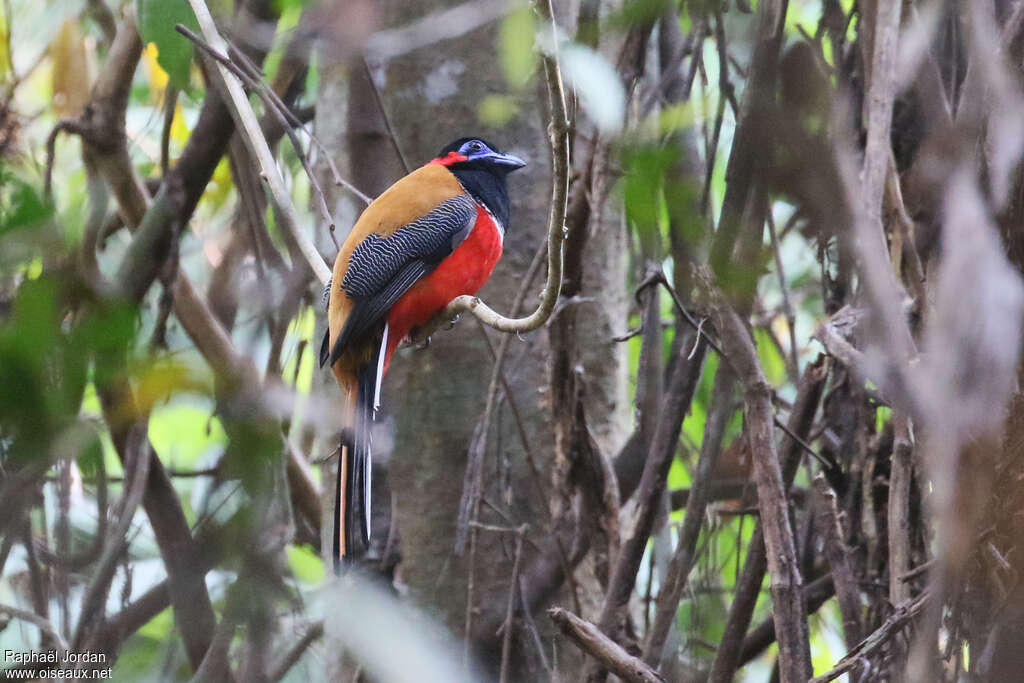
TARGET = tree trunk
(433,398)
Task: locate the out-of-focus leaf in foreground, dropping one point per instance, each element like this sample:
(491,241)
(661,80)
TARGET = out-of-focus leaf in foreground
(391,640)
(157,19)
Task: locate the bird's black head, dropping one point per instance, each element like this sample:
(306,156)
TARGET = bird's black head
(481,168)
(480,154)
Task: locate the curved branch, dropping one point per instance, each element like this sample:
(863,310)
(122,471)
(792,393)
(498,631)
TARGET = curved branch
(557,229)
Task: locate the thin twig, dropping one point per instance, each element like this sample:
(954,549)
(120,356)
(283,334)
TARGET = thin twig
(471,489)
(677,397)
(825,462)
(900,525)
(748,587)
(724,86)
(313,633)
(275,101)
(675,580)
(249,127)
(760,638)
(830,531)
(96,593)
(531,627)
(82,559)
(62,126)
(385,116)
(253,82)
(513,590)
(42,624)
(787,305)
(893,625)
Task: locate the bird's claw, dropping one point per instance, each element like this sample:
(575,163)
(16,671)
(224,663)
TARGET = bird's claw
(451,323)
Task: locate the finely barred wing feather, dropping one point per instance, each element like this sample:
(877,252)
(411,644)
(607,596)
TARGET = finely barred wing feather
(378,259)
(382,268)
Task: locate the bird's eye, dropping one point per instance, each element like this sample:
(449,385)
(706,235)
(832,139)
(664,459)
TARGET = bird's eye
(476,146)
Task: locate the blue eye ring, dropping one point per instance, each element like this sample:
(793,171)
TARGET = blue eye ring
(474,146)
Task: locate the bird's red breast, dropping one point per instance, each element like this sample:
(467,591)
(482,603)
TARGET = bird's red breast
(464,272)
(413,196)
(433,236)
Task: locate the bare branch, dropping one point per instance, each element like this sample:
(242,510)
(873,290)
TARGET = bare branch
(675,404)
(313,633)
(869,242)
(99,587)
(683,558)
(896,621)
(249,127)
(42,624)
(513,590)
(602,648)
(829,529)
(784,568)
(748,588)
(817,593)
(900,480)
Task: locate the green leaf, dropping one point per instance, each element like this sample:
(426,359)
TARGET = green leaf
(283,6)
(646,166)
(157,19)
(496,110)
(306,565)
(515,46)
(773,363)
(186,415)
(91,458)
(25,207)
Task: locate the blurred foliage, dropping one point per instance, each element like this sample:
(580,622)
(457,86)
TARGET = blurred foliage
(157,19)
(61,343)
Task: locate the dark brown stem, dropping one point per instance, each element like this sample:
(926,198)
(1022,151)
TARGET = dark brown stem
(313,633)
(760,638)
(748,588)
(95,597)
(678,396)
(720,412)
(513,591)
(84,558)
(900,617)
(830,531)
(606,651)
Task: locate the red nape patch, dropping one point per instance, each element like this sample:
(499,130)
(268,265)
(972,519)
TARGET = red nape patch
(449,159)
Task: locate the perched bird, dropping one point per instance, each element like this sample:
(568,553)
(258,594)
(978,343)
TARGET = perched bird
(432,236)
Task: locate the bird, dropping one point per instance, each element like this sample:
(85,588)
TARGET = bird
(434,235)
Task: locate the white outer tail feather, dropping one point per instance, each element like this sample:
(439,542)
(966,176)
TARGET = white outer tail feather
(368,468)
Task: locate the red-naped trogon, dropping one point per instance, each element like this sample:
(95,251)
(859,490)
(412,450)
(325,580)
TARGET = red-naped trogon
(432,236)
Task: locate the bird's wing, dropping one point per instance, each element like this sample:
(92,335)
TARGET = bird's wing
(381,268)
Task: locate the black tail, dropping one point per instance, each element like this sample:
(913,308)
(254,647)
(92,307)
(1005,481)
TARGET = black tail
(352,499)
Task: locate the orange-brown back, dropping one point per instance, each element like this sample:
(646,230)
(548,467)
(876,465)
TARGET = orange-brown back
(413,196)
